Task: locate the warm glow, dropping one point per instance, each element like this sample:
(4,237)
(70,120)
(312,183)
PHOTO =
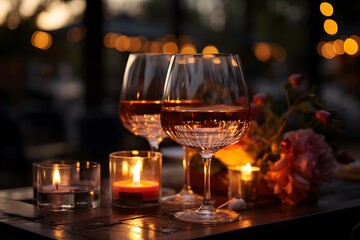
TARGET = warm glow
(279,53)
(246,168)
(319,47)
(234,63)
(136,170)
(41,40)
(328,51)
(56,178)
(216,61)
(27,8)
(110,39)
(78,166)
(155,47)
(330,27)
(5,8)
(75,34)
(191,60)
(210,49)
(351,46)
(122,43)
(170,48)
(125,168)
(262,51)
(188,48)
(59,14)
(338,45)
(136,44)
(326,9)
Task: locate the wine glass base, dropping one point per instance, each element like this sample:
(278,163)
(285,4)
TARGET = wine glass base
(205,217)
(183,199)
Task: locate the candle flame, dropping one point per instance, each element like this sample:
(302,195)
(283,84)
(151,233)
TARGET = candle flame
(56,178)
(247,167)
(136,178)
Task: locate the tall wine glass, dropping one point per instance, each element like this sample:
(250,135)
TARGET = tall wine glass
(139,111)
(140,98)
(205,106)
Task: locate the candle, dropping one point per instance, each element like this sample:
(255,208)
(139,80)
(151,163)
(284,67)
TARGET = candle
(249,182)
(144,191)
(135,178)
(60,188)
(248,172)
(135,190)
(244,182)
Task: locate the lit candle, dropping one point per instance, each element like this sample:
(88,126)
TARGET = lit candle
(56,179)
(249,182)
(135,179)
(60,188)
(135,190)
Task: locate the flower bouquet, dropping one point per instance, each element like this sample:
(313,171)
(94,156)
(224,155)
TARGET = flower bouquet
(293,140)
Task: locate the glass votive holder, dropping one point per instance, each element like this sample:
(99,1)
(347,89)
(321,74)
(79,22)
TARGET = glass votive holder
(135,179)
(244,182)
(67,185)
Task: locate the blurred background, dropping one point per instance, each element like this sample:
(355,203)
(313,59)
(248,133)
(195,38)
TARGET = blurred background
(62,62)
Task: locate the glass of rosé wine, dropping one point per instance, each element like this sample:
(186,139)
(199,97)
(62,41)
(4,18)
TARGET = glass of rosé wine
(205,107)
(140,97)
(139,112)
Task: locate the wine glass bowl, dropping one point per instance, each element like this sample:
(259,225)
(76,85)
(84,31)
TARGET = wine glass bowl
(205,107)
(140,98)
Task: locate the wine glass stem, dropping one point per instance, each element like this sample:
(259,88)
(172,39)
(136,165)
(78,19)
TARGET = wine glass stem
(186,169)
(207,193)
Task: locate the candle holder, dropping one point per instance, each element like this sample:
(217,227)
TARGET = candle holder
(135,179)
(244,182)
(67,185)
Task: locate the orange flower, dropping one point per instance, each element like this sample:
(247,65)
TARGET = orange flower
(307,162)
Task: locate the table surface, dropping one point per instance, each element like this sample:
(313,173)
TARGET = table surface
(334,216)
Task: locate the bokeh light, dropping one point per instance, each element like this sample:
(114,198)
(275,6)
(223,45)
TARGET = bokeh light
(210,49)
(75,34)
(351,46)
(262,51)
(330,27)
(338,45)
(41,40)
(327,50)
(188,48)
(326,9)
(170,48)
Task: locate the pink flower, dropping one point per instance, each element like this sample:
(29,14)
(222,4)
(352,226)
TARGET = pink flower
(306,163)
(323,116)
(260,99)
(296,79)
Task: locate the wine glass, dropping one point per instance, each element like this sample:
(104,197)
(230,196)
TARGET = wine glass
(139,111)
(205,106)
(140,98)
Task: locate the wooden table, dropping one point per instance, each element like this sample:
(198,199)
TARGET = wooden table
(334,216)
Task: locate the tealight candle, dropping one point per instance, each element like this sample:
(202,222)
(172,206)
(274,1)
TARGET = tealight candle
(244,182)
(67,185)
(135,178)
